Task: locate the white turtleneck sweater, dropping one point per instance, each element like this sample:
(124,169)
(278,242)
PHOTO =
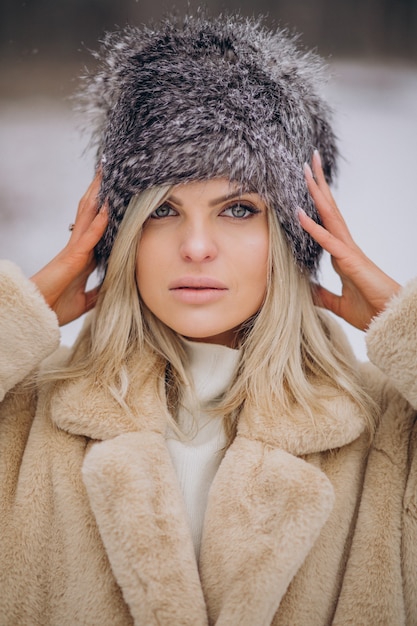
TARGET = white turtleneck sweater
(197,458)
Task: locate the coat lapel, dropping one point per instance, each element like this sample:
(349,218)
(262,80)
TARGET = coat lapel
(137,504)
(266,509)
(135,496)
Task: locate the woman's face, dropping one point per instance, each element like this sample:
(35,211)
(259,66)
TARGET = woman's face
(202,260)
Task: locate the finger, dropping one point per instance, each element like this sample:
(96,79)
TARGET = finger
(326,299)
(87,207)
(321,179)
(332,244)
(95,230)
(91,298)
(329,213)
(85,240)
(316,189)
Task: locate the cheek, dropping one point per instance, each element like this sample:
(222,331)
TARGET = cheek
(251,267)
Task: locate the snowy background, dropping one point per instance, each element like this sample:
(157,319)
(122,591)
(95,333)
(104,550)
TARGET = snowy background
(44,170)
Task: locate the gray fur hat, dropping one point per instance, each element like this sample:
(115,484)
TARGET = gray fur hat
(203,98)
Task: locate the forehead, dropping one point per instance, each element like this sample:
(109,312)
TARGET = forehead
(212,191)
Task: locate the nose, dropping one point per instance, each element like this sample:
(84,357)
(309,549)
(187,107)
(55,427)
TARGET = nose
(198,242)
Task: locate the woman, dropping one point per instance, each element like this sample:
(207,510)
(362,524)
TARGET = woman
(209,451)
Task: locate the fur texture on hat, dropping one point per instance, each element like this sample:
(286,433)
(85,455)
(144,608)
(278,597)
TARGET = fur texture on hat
(204,98)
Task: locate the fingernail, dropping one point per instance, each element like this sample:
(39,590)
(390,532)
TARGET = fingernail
(316,155)
(307,170)
(300,211)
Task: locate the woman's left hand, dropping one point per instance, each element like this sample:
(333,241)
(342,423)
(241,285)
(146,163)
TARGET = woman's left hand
(366,289)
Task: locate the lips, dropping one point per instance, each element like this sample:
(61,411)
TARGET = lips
(196,283)
(197,290)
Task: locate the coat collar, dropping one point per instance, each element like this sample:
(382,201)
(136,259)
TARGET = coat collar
(84,407)
(337,424)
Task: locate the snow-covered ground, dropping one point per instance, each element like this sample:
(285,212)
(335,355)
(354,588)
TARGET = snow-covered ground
(43,173)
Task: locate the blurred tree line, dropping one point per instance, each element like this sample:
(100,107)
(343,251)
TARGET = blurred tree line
(339,27)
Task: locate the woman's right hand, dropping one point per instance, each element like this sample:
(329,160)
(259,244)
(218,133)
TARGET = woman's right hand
(63,280)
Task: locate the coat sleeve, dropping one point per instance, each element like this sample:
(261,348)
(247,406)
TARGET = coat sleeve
(392,342)
(29,329)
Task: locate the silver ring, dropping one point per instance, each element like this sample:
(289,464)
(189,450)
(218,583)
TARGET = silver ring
(71,227)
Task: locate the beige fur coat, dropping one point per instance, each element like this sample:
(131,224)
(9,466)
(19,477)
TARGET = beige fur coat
(305,525)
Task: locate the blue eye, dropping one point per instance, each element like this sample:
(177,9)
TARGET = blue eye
(240,211)
(162,211)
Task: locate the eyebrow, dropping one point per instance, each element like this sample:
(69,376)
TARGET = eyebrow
(220,200)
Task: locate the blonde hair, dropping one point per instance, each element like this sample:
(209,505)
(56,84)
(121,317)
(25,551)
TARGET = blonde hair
(286,348)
